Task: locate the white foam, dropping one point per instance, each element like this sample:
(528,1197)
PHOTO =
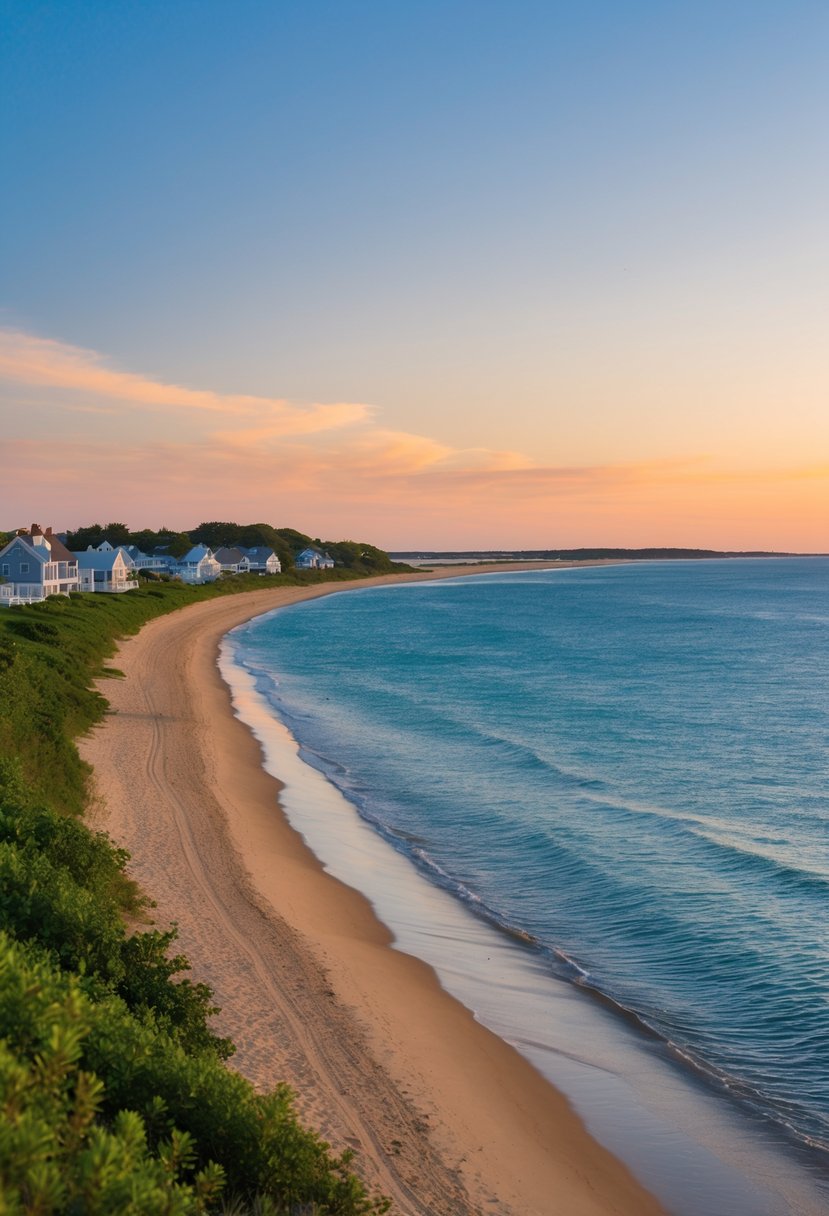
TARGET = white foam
(690,1148)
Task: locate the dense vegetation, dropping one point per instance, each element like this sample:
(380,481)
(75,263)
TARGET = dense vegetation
(114,1094)
(285,542)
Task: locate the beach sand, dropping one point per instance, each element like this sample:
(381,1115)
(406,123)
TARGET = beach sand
(443,1115)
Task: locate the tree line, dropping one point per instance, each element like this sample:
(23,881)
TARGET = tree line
(285,542)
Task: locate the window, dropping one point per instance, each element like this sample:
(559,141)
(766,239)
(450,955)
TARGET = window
(5,568)
(24,567)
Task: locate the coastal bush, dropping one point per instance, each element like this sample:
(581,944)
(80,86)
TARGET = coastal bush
(57,1153)
(62,886)
(102,1111)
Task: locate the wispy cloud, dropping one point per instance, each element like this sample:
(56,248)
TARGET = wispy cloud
(308,422)
(42,362)
(70,375)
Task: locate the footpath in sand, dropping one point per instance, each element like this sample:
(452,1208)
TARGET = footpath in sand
(445,1118)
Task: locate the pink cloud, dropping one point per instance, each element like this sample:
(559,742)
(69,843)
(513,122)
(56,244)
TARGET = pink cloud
(45,363)
(311,422)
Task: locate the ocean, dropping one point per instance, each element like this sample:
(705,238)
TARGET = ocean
(614,781)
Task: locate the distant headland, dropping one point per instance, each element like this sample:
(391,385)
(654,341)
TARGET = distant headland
(578,555)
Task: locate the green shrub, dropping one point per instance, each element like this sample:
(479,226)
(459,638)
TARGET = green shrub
(114,1095)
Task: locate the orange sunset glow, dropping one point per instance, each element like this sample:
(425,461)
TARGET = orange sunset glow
(529,281)
(156,451)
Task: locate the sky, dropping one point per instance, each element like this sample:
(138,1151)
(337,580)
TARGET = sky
(424,273)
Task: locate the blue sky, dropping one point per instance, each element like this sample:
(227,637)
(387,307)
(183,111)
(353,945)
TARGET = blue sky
(590,234)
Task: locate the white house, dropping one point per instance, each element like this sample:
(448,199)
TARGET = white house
(198,566)
(313,559)
(106,569)
(35,564)
(262,560)
(160,560)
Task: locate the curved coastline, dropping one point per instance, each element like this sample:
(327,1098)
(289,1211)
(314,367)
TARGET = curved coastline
(444,1115)
(687,1137)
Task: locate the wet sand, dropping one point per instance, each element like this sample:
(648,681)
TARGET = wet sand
(443,1115)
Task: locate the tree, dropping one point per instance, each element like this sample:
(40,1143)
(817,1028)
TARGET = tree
(360,556)
(82,538)
(249,536)
(215,534)
(117,534)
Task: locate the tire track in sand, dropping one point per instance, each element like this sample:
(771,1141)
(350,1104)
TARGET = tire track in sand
(338,1065)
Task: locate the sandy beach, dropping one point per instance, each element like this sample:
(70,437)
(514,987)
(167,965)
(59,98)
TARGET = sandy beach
(443,1115)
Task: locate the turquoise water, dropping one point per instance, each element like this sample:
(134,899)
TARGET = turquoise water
(628,764)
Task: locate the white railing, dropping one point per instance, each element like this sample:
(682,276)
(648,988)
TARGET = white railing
(21,593)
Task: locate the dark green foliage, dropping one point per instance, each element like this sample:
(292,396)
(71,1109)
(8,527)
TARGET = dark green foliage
(57,1153)
(119,534)
(216,534)
(35,631)
(81,539)
(114,1097)
(100,1112)
(360,557)
(181,1008)
(295,541)
(62,886)
(357,556)
(116,534)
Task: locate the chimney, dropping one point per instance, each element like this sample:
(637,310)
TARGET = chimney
(48,532)
(38,539)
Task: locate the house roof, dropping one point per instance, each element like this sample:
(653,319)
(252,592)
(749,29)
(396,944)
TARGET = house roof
(93,559)
(60,553)
(198,553)
(57,549)
(229,556)
(31,550)
(260,552)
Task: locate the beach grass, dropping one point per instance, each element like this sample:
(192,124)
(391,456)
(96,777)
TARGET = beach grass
(113,1086)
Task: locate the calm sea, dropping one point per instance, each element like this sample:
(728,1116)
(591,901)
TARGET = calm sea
(627,767)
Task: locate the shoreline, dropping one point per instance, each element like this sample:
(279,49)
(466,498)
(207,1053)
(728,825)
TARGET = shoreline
(444,1115)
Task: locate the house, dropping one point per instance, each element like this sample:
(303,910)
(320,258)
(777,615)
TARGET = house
(313,559)
(198,566)
(232,560)
(106,569)
(35,564)
(140,560)
(262,560)
(163,560)
(160,561)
